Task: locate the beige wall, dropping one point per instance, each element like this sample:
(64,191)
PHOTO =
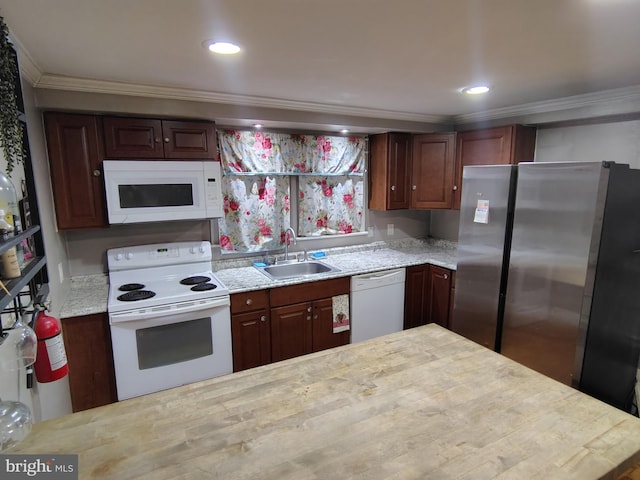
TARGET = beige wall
(87,248)
(615,142)
(48,400)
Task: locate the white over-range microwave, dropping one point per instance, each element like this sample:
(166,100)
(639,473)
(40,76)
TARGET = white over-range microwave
(154,191)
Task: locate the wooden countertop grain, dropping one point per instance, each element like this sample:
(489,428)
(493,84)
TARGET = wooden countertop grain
(422,403)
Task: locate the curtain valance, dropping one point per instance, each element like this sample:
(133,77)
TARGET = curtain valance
(245,152)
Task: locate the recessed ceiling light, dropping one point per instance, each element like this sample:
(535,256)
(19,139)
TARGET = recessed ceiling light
(223,48)
(344,130)
(257,125)
(475,90)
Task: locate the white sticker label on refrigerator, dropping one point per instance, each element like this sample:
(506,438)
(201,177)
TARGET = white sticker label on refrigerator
(482,212)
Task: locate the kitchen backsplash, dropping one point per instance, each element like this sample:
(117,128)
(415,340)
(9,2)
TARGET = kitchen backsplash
(86,249)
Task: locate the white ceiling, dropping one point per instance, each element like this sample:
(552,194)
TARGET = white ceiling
(404,59)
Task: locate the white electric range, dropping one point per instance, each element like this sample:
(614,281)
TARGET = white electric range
(169,317)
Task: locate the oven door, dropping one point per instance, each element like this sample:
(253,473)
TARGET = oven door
(164,347)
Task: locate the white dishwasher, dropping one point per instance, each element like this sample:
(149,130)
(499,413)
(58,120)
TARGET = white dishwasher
(377,304)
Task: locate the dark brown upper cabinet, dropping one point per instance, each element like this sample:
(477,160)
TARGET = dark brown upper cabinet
(75,148)
(145,138)
(507,145)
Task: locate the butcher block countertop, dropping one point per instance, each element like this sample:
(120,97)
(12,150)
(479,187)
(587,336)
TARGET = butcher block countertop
(419,404)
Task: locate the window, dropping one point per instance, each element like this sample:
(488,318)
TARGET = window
(263,170)
(330,205)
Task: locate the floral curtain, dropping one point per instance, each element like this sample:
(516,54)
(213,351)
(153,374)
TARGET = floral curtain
(256,187)
(247,152)
(330,205)
(256,212)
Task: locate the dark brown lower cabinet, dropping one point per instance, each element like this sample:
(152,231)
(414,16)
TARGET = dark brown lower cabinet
(92,379)
(427,296)
(306,325)
(250,329)
(292,331)
(452,296)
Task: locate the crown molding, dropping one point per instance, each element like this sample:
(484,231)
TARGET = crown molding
(614,101)
(29,70)
(608,102)
(58,82)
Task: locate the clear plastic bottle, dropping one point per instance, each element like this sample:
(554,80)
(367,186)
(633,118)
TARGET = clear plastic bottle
(8,198)
(10,260)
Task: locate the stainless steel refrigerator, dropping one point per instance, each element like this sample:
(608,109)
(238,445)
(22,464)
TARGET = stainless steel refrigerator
(548,271)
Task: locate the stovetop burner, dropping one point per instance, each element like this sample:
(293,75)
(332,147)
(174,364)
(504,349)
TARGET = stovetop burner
(202,287)
(135,295)
(127,287)
(195,280)
(147,276)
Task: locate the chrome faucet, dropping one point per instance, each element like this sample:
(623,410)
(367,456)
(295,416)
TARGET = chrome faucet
(286,241)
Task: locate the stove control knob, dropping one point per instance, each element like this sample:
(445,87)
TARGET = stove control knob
(118,257)
(128,255)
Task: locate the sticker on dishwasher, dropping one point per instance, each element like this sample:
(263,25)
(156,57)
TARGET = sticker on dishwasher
(482,212)
(340,306)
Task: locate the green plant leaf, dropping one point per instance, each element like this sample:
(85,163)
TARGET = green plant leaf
(11,126)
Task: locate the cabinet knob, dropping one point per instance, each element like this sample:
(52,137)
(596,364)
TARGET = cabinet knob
(308,317)
(455,187)
(263,318)
(96,173)
(166,140)
(157,140)
(413,187)
(445,276)
(249,301)
(393,187)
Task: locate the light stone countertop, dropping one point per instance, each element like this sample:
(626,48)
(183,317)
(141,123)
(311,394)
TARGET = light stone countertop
(88,294)
(350,261)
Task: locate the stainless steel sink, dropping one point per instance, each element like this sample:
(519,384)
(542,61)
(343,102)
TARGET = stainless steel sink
(293,269)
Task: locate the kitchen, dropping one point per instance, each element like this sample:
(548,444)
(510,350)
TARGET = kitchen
(78,253)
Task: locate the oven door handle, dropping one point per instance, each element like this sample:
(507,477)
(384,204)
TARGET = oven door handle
(166,310)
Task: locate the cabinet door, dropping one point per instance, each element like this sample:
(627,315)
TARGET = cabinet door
(323,336)
(452,297)
(432,171)
(92,379)
(188,139)
(390,169)
(136,138)
(492,146)
(251,334)
(291,331)
(416,291)
(439,295)
(74,145)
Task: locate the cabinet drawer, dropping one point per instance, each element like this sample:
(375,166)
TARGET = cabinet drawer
(309,291)
(249,301)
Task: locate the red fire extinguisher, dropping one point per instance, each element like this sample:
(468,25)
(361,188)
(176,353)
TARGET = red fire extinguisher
(51,359)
